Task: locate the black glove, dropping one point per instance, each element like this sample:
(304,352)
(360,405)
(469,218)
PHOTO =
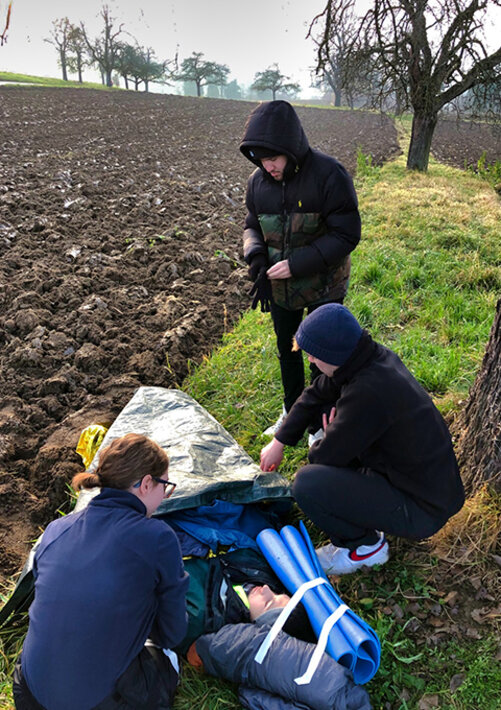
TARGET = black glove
(256,264)
(261,291)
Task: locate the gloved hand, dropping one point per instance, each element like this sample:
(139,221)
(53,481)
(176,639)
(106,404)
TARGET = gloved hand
(256,264)
(261,291)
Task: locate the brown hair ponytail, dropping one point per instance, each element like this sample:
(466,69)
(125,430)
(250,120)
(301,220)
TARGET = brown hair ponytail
(123,462)
(85,480)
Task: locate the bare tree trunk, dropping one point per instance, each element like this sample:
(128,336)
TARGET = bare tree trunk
(479,443)
(146,85)
(337,97)
(423,126)
(126,81)
(199,88)
(62,57)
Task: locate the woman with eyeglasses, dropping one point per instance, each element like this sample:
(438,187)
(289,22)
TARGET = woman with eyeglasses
(108,579)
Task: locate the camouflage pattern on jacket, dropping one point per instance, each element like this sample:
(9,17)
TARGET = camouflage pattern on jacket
(283,234)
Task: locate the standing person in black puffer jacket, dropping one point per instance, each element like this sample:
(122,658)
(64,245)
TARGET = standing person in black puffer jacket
(302,223)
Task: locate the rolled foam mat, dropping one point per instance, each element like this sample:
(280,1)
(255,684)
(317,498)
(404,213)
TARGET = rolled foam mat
(351,641)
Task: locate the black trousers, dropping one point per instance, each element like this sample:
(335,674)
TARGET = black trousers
(286,324)
(350,505)
(149,683)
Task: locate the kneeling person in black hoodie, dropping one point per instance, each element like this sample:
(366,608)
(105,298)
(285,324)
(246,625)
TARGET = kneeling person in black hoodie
(386,461)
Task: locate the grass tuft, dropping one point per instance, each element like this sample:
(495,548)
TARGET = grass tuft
(470,539)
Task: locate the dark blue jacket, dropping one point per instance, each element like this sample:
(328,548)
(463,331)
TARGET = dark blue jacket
(107,578)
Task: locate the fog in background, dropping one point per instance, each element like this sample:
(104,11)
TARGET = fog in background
(247,36)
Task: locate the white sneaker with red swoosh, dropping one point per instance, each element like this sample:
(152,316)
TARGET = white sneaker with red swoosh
(339,560)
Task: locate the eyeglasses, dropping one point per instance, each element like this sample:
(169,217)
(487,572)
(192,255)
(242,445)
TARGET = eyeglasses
(169,486)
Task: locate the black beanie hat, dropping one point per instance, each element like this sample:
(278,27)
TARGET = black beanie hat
(330,333)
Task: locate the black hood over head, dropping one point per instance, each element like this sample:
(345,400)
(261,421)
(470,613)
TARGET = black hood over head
(275,125)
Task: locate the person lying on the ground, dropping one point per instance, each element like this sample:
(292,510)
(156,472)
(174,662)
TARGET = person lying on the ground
(386,462)
(230,653)
(107,579)
(232,588)
(271,685)
(233,601)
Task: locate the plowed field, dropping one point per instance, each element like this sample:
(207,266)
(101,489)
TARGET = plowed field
(120,228)
(461,143)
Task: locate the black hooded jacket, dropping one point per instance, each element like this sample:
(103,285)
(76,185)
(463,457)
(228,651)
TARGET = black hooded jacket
(309,218)
(384,421)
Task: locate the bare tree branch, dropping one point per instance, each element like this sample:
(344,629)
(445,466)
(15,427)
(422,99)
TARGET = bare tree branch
(429,51)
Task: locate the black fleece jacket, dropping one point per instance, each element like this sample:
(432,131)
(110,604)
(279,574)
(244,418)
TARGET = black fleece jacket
(384,421)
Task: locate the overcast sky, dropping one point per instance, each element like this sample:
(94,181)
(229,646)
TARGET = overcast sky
(247,35)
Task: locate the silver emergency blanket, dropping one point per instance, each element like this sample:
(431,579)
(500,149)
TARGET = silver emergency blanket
(205,461)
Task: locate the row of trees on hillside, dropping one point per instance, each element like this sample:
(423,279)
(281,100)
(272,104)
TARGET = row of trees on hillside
(109,52)
(202,73)
(138,65)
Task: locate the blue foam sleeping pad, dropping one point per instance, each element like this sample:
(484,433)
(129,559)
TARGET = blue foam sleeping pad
(351,641)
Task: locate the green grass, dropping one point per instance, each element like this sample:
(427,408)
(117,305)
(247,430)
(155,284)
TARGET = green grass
(50,81)
(11,640)
(412,665)
(487,171)
(426,273)
(425,280)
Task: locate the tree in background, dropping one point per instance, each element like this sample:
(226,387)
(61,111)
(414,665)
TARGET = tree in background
(150,69)
(139,64)
(428,51)
(77,51)
(232,90)
(335,72)
(60,39)
(201,72)
(273,80)
(3,36)
(484,101)
(105,48)
(125,63)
